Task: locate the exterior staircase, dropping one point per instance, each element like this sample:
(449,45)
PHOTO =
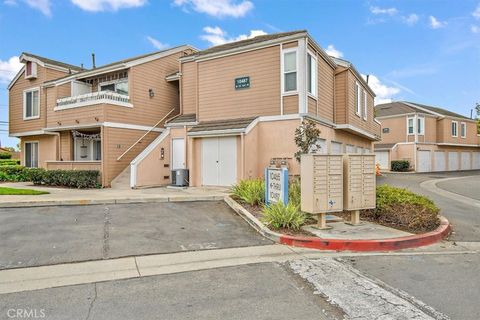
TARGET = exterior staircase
(122,181)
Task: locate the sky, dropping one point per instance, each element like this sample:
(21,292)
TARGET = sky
(426,51)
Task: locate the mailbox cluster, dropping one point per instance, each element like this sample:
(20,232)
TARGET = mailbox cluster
(333,183)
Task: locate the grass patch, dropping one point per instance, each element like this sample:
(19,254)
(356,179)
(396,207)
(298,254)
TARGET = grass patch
(12,191)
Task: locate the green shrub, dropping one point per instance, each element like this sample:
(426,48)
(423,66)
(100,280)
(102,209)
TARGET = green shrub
(404,209)
(280,216)
(400,165)
(5,155)
(13,173)
(9,162)
(294,195)
(251,191)
(65,178)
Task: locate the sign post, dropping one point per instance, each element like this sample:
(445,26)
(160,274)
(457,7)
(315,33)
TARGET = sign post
(276,185)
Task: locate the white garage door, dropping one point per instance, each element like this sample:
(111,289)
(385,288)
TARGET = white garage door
(476,160)
(424,161)
(336,147)
(381,157)
(440,161)
(219,161)
(452,161)
(465,164)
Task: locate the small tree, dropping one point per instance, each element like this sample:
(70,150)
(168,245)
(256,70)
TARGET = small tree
(307,137)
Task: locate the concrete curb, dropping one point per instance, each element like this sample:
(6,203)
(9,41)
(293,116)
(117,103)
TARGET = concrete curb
(85,202)
(413,241)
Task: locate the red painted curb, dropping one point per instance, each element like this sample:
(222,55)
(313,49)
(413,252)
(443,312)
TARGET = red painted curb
(414,241)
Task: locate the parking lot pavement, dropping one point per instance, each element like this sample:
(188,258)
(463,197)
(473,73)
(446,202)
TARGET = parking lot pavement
(257,291)
(465,218)
(51,235)
(448,283)
(467,187)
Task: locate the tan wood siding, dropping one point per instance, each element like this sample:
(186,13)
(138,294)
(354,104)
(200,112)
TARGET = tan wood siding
(341,92)
(77,116)
(218,98)
(66,146)
(444,132)
(189,87)
(47,148)
(312,106)
(291,44)
(325,89)
(353,119)
(290,104)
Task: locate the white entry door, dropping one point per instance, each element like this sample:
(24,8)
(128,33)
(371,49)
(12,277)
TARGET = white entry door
(452,161)
(178,153)
(440,161)
(424,161)
(381,157)
(219,161)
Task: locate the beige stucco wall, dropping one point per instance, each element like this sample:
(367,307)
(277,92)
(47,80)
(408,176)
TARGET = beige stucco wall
(47,148)
(153,170)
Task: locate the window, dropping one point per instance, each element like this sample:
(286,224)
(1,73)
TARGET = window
(358,94)
(120,87)
(312,74)
(97,150)
(364,105)
(290,71)
(463,129)
(410,125)
(31,101)
(454,129)
(30,69)
(421,125)
(31,154)
(87,149)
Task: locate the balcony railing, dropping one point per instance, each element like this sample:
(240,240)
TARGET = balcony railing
(87,99)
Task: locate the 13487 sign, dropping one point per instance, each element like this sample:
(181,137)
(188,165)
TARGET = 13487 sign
(276,185)
(242,83)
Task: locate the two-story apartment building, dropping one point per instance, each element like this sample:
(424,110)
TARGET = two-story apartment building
(430,138)
(223,113)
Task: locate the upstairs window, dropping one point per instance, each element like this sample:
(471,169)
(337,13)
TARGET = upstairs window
(289,70)
(30,69)
(358,95)
(31,104)
(365,105)
(410,125)
(120,87)
(454,129)
(463,129)
(421,125)
(312,74)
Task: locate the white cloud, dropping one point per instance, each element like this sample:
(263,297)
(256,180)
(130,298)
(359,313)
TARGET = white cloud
(157,44)
(476,13)
(389,11)
(435,23)
(107,5)
(44,6)
(475,29)
(217,8)
(332,51)
(411,19)
(9,68)
(216,36)
(384,93)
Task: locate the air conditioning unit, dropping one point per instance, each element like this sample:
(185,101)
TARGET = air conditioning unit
(180,178)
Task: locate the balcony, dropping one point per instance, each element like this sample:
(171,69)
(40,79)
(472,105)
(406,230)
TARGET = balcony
(94,98)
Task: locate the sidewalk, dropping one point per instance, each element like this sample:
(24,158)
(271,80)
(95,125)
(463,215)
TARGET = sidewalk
(63,196)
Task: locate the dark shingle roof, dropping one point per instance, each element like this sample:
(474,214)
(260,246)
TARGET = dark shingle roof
(241,123)
(183,118)
(54,62)
(403,107)
(242,43)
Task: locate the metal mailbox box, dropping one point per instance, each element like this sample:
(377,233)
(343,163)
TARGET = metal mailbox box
(359,181)
(321,183)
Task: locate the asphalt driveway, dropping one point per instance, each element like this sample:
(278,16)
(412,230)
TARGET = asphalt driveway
(59,234)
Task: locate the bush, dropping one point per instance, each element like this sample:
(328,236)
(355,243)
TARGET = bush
(5,155)
(294,194)
(251,191)
(400,165)
(65,178)
(9,162)
(404,209)
(278,216)
(13,173)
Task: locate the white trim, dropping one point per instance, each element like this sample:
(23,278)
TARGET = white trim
(422,126)
(358,99)
(365,105)
(181,124)
(463,134)
(302,76)
(456,129)
(174,77)
(105,83)
(423,109)
(145,152)
(457,144)
(79,126)
(401,115)
(25,103)
(131,126)
(320,120)
(93,103)
(34,70)
(25,153)
(90,142)
(413,125)
(375,119)
(357,130)
(47,65)
(282,68)
(292,116)
(226,132)
(17,76)
(27,133)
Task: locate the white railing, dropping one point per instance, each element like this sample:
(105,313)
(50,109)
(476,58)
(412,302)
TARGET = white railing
(93,98)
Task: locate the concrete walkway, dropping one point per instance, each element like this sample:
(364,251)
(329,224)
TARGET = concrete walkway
(63,196)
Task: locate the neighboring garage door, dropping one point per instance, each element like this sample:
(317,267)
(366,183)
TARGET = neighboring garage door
(219,161)
(452,161)
(476,160)
(465,164)
(381,157)
(440,161)
(424,161)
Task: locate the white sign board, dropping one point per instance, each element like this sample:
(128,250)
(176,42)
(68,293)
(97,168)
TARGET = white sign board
(276,185)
